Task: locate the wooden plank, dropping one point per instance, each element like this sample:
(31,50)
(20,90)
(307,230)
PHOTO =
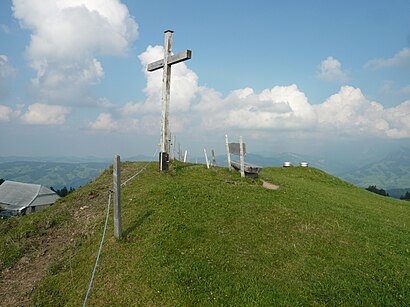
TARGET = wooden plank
(172,59)
(235,148)
(250,169)
(180,57)
(155,65)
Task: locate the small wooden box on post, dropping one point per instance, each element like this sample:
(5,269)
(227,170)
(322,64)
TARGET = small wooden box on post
(168,60)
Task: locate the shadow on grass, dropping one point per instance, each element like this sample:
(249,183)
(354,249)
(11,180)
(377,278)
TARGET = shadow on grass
(137,223)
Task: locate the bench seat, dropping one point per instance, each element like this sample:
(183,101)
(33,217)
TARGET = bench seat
(251,170)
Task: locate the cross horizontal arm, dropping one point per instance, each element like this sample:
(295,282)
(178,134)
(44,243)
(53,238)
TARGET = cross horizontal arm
(173,59)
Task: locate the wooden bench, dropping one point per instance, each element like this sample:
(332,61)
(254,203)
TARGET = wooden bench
(239,149)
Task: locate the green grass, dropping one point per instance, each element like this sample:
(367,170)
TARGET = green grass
(208,237)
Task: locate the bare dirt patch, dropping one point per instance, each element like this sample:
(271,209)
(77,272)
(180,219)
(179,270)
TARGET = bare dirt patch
(18,282)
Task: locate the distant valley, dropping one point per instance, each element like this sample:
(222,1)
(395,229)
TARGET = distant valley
(392,172)
(52,174)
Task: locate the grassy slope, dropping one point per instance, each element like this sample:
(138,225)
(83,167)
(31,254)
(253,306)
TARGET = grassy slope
(198,236)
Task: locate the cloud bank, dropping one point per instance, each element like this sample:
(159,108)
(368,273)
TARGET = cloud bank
(69,36)
(280,108)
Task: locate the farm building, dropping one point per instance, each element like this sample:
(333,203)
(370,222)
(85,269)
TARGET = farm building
(25,198)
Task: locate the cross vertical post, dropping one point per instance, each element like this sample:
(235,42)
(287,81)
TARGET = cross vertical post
(168,60)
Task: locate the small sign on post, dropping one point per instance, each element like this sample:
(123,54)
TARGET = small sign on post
(117,196)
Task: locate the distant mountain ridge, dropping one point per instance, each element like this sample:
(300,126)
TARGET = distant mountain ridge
(52,174)
(392,172)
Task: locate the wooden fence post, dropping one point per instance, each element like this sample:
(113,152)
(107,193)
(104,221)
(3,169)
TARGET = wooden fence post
(117,196)
(213,158)
(242,156)
(206,159)
(228,153)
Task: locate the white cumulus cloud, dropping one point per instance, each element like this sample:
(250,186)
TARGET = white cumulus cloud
(281,108)
(67,37)
(44,114)
(331,70)
(349,112)
(278,109)
(400,59)
(5,113)
(104,121)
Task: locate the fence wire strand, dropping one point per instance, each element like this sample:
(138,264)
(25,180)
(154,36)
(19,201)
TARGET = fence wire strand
(139,172)
(105,228)
(99,251)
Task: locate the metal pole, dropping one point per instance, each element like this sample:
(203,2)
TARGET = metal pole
(117,196)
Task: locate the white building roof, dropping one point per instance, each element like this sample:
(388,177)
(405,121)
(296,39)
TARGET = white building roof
(18,195)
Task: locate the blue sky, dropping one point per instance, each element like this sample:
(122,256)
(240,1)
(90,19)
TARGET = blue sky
(315,77)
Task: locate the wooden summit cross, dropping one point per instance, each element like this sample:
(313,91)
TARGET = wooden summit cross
(168,60)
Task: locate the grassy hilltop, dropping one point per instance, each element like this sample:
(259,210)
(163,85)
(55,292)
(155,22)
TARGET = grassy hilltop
(208,237)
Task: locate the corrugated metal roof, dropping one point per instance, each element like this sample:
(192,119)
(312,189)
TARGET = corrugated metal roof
(20,195)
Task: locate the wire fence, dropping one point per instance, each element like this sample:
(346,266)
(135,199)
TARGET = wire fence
(99,250)
(140,171)
(105,226)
